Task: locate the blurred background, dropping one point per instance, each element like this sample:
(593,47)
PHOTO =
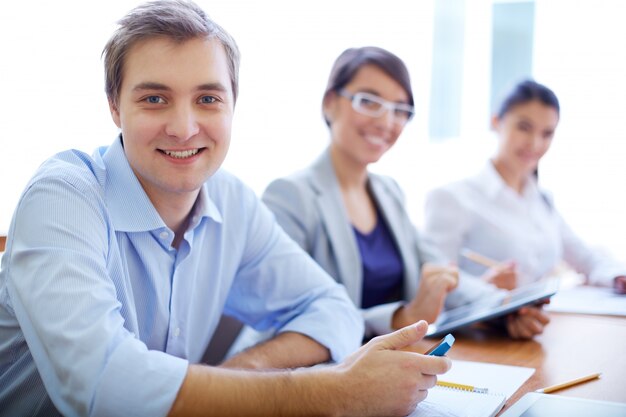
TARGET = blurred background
(462,55)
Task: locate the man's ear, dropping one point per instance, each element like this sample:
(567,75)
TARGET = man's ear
(115,114)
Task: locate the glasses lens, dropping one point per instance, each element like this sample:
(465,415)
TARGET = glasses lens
(403,113)
(374,106)
(368,104)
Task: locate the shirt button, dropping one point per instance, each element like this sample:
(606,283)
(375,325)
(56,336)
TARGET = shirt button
(177,332)
(164,235)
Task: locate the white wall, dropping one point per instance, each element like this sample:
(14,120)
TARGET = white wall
(53,79)
(580,51)
(52,82)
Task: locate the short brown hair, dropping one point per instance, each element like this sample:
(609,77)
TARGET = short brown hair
(178,20)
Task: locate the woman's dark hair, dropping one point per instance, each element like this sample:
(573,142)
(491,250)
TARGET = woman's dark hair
(526,91)
(353,59)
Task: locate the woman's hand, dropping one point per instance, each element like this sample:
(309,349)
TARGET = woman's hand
(435,283)
(526,322)
(503,275)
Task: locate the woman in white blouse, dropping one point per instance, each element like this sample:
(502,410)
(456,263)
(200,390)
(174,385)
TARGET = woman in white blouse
(502,214)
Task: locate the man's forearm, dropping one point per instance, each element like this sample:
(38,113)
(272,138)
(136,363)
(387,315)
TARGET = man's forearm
(378,379)
(210,391)
(286,350)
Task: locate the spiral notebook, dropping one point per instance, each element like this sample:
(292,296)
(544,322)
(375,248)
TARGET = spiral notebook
(500,381)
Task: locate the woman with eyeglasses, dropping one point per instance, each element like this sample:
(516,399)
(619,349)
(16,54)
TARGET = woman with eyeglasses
(353,222)
(502,214)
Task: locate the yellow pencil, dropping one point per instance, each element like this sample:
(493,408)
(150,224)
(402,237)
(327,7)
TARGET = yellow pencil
(567,384)
(478,258)
(462,387)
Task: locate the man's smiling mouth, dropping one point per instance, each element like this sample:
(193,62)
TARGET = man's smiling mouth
(181,154)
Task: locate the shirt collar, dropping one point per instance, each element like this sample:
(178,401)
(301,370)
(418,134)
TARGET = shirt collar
(492,184)
(204,207)
(129,206)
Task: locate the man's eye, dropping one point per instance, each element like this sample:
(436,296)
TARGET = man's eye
(154,99)
(207,99)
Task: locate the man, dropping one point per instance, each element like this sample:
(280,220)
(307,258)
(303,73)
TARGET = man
(119,265)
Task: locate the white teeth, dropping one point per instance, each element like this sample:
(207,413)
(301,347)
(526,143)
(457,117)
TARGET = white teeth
(376,140)
(182,154)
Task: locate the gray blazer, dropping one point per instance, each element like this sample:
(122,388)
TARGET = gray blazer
(308,205)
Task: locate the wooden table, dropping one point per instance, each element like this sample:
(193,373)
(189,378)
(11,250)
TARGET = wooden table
(572,345)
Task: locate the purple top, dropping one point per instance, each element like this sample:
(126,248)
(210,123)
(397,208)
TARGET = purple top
(383,270)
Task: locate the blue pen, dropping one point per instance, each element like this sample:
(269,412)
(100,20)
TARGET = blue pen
(442,347)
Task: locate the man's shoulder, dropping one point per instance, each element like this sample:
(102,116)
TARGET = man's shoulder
(73,167)
(223,185)
(224,179)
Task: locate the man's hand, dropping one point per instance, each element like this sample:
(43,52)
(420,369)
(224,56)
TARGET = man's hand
(381,379)
(435,284)
(526,322)
(503,275)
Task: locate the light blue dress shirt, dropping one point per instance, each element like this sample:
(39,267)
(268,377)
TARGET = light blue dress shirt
(100,316)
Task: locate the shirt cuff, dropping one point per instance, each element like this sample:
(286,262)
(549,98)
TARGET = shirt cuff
(605,276)
(378,318)
(139,382)
(340,343)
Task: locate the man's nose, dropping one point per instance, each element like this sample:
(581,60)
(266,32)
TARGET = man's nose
(183,123)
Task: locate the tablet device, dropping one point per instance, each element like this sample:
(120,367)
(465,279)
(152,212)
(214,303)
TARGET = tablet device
(496,305)
(548,405)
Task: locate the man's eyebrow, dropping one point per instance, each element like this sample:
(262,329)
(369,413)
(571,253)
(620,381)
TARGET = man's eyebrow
(212,86)
(148,85)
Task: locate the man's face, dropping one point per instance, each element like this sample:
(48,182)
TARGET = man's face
(175,111)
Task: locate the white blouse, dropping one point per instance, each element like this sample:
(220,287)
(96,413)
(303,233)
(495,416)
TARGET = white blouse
(483,214)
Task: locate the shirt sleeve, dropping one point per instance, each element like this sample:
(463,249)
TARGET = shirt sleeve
(278,286)
(68,309)
(599,268)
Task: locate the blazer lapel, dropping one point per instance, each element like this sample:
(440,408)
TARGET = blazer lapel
(337,226)
(392,211)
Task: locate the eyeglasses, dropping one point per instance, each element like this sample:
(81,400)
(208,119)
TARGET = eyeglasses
(374,106)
